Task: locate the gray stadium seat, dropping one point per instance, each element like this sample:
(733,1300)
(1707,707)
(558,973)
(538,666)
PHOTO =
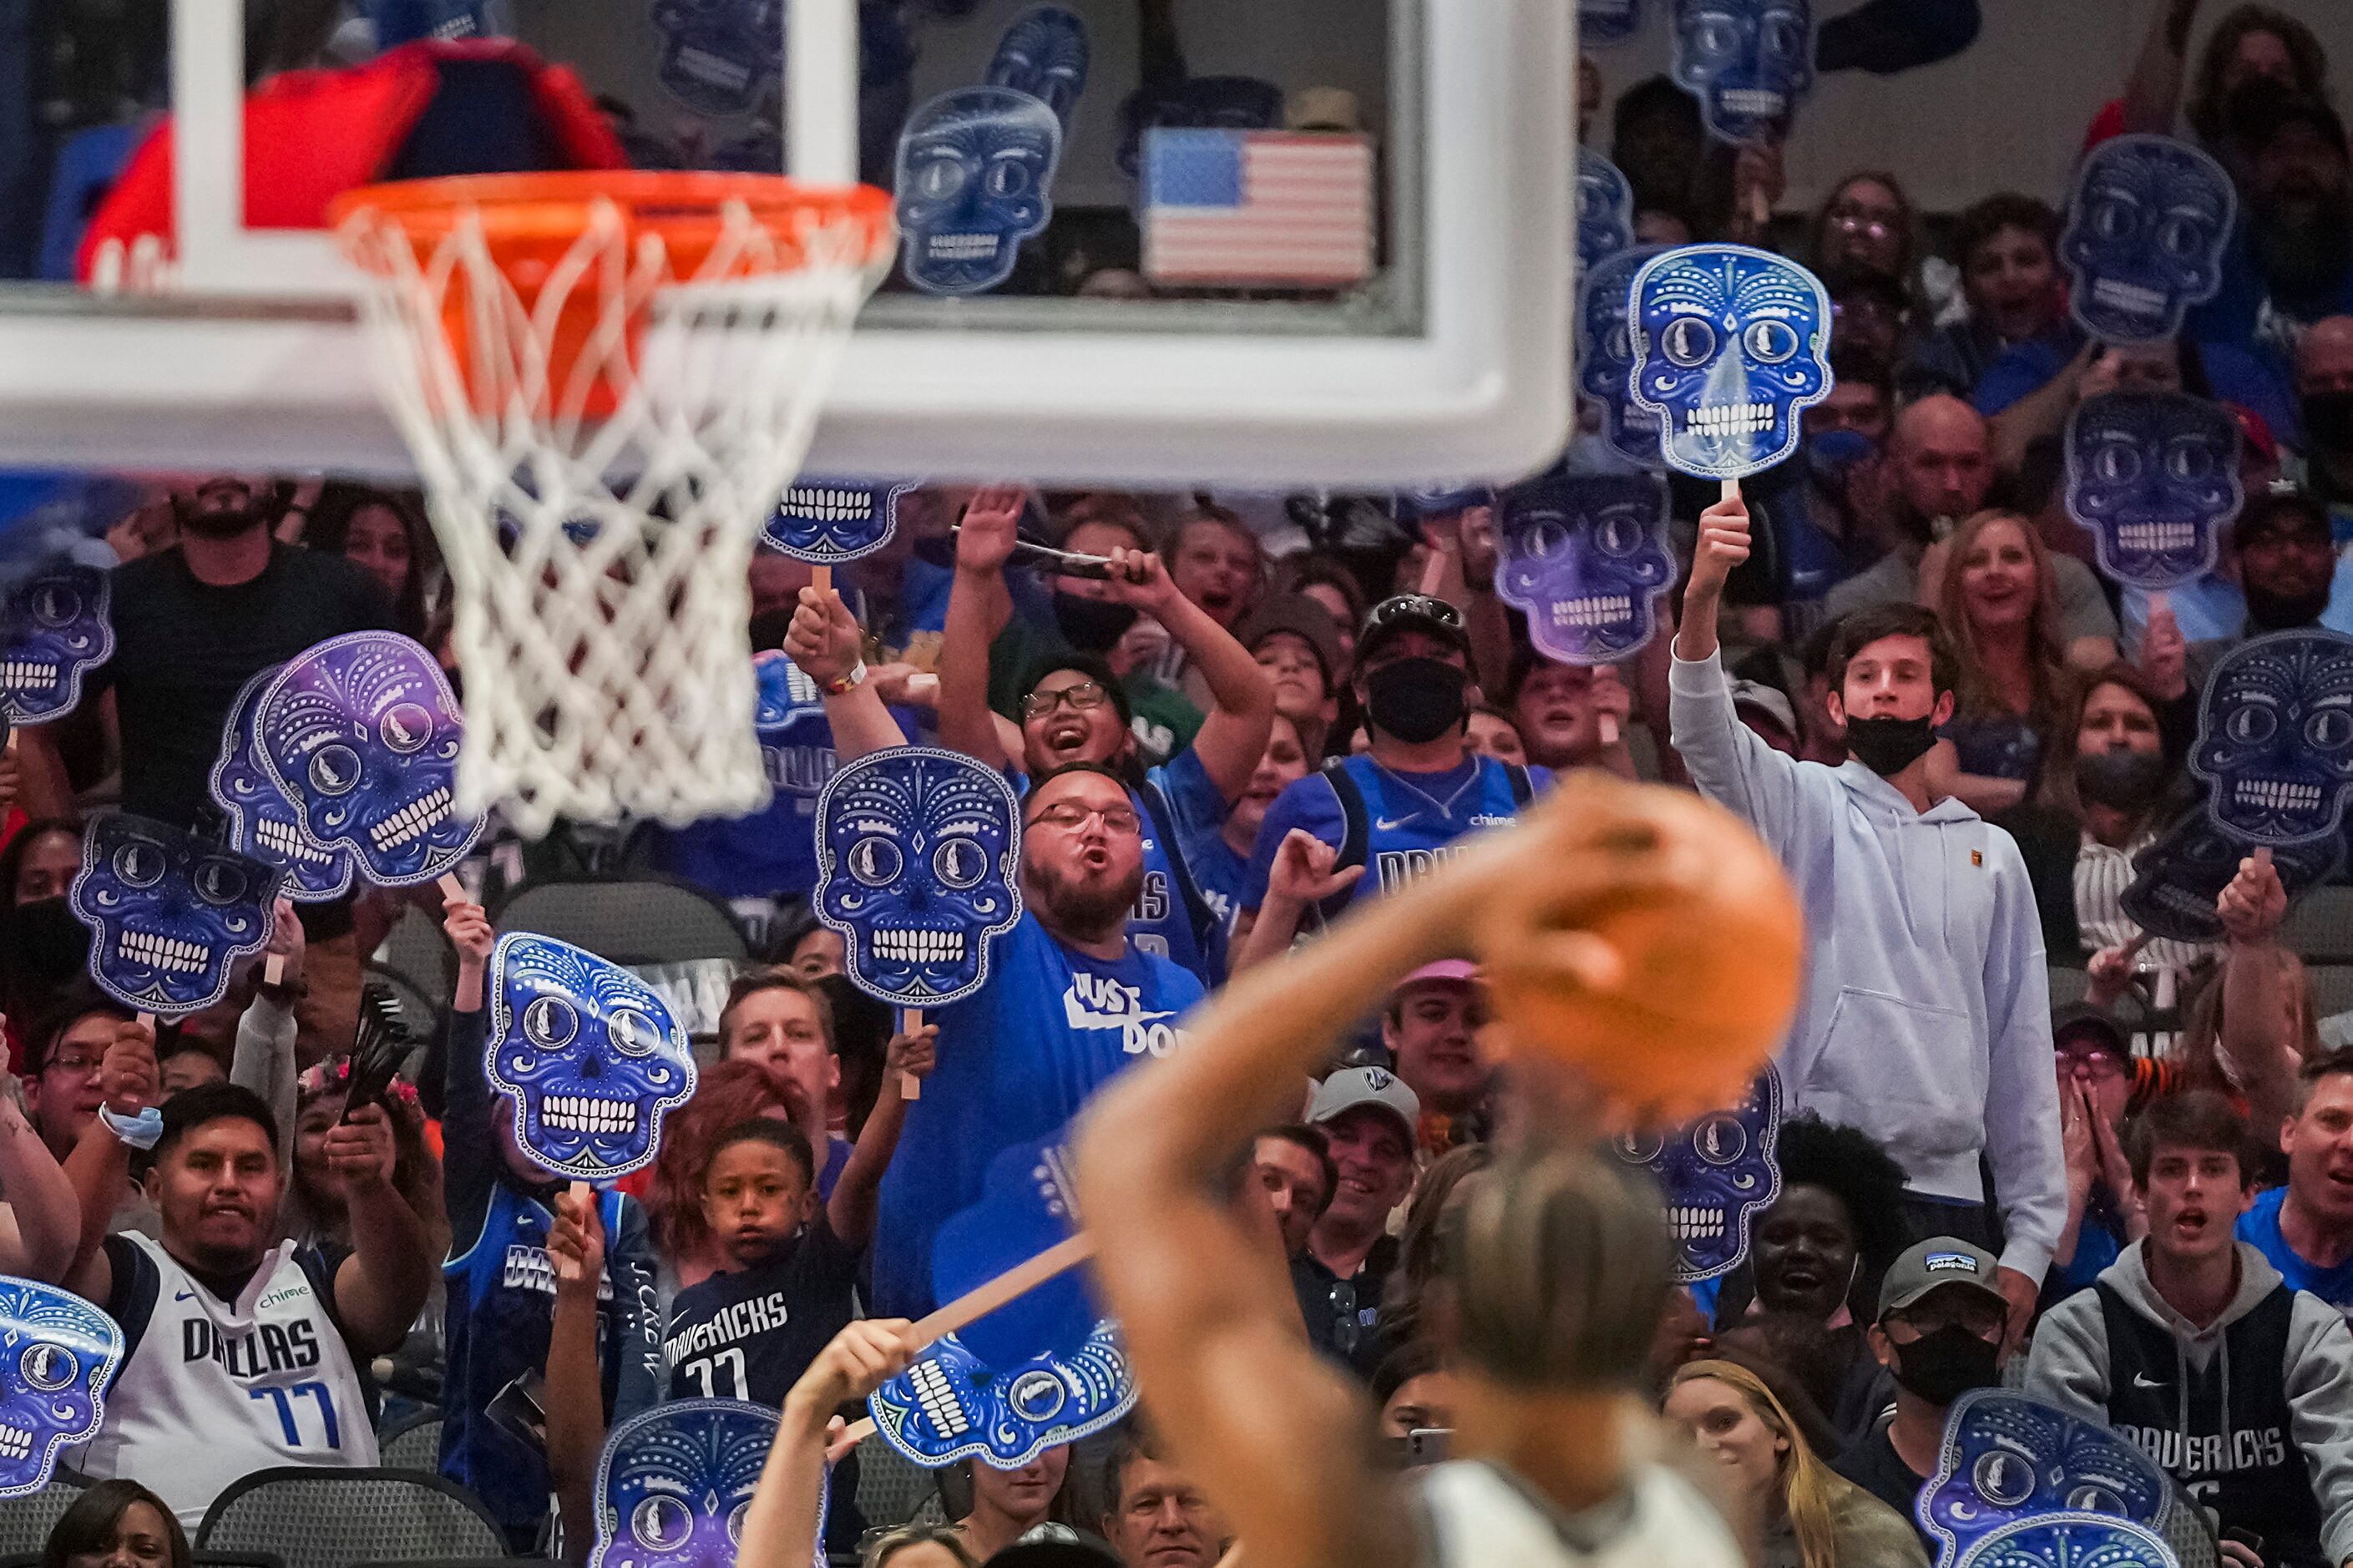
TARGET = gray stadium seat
(646,921)
(416,950)
(892,1487)
(336,1518)
(2067,984)
(2319,927)
(26,1521)
(413,1445)
(2332,988)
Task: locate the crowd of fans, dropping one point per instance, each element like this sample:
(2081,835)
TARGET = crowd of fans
(1896,661)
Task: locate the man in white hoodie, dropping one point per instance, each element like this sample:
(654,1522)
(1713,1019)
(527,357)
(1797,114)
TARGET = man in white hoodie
(1926,1017)
(2193,1349)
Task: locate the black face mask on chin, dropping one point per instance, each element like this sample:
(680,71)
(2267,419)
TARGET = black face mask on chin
(1888,746)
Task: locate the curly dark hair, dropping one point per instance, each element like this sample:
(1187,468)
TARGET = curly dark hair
(1848,1163)
(2206,111)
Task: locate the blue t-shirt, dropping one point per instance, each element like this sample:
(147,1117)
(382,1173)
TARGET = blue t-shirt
(1015,1061)
(1408,818)
(2260,1227)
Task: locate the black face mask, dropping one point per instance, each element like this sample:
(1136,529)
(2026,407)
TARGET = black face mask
(1888,746)
(2121,781)
(50,947)
(2329,420)
(1942,1366)
(1093,625)
(1416,699)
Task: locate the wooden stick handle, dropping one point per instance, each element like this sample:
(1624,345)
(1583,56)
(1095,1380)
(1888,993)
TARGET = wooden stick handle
(1607,722)
(1731,490)
(273,969)
(452,889)
(982,1299)
(567,1269)
(822,579)
(910,1020)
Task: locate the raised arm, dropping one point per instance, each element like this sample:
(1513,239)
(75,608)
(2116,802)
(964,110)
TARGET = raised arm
(469,1140)
(978,608)
(825,640)
(574,1393)
(382,1285)
(41,1223)
(1233,736)
(780,1526)
(263,1060)
(1730,763)
(2261,1058)
(850,1210)
(2153,91)
(99,1165)
(1299,880)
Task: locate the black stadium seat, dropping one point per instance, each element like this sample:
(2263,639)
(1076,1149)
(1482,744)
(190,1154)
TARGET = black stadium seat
(336,1518)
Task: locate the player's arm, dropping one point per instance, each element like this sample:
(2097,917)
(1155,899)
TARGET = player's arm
(1211,1322)
(1232,737)
(99,1166)
(574,1393)
(978,608)
(780,1526)
(382,1285)
(851,1211)
(827,642)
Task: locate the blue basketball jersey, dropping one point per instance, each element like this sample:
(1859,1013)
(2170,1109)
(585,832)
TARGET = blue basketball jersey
(1397,826)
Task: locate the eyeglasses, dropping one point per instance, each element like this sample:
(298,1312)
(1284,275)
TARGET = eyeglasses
(1863,223)
(1069,816)
(1081,696)
(78,1066)
(2101,1063)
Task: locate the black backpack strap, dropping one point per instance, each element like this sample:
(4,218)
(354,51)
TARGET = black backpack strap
(1197,913)
(1355,831)
(1523,789)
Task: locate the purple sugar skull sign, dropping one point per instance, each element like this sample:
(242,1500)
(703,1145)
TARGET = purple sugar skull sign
(1730,347)
(827,522)
(1046,1368)
(2006,1458)
(2177,879)
(1605,355)
(976,173)
(1585,557)
(1605,209)
(1601,23)
(57,1355)
(590,1055)
(2145,232)
(675,1481)
(1716,1173)
(2275,738)
(53,631)
(361,733)
(169,913)
(2069,1540)
(262,821)
(1044,52)
(2154,476)
(1747,61)
(918,855)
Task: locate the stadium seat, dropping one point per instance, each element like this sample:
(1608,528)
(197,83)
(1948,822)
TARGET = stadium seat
(336,1518)
(644,920)
(2067,983)
(892,1487)
(2319,929)
(2332,988)
(416,950)
(195,1559)
(26,1521)
(413,1445)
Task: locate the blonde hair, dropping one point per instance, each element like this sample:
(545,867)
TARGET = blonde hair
(1812,1492)
(880,1550)
(2046,649)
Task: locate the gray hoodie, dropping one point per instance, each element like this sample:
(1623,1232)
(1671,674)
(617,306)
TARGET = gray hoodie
(2071,1365)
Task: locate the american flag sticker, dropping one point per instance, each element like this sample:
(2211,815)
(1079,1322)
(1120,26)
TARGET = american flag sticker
(1236,207)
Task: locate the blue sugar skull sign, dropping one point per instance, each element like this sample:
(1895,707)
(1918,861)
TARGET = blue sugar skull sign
(2154,476)
(1585,557)
(2177,879)
(1045,54)
(1730,347)
(2069,1540)
(1605,355)
(1046,1368)
(1747,61)
(675,1482)
(716,55)
(828,522)
(918,855)
(2275,737)
(361,733)
(2146,231)
(1601,23)
(590,1055)
(2006,1458)
(57,1355)
(262,821)
(53,632)
(1716,1173)
(1605,209)
(169,913)
(797,750)
(975,173)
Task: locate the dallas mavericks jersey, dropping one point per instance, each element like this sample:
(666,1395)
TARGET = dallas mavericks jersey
(1479,1517)
(1397,826)
(212,1390)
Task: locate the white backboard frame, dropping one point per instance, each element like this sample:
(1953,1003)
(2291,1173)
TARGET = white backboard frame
(258,362)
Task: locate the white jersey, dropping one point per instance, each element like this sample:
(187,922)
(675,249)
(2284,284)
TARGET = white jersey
(1480,1518)
(212,1390)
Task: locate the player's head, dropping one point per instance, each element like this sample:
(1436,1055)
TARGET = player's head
(1073,711)
(1081,849)
(215,1176)
(782,1020)
(760,1188)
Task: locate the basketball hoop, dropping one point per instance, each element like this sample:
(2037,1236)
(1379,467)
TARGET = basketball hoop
(608,380)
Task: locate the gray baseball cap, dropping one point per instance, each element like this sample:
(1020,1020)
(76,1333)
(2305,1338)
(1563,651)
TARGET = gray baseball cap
(1931,1265)
(1349,1087)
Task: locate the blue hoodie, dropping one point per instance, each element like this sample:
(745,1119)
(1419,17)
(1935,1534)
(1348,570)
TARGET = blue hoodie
(1926,1018)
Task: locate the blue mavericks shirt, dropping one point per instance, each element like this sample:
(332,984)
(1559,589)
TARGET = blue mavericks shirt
(2260,1226)
(1409,818)
(1015,1062)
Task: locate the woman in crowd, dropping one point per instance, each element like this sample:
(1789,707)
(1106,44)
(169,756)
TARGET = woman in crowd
(1868,226)
(1001,1507)
(1997,601)
(384,532)
(42,945)
(1808,1516)
(117,1525)
(2007,247)
(919,1546)
(1314,575)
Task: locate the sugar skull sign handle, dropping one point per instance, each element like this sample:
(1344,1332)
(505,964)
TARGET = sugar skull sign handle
(1585,557)
(590,1055)
(1716,1173)
(57,1355)
(2275,738)
(169,913)
(2177,879)
(1730,347)
(2154,476)
(918,852)
(53,631)
(675,1482)
(2147,228)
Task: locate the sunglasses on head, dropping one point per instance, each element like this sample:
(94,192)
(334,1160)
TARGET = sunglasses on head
(1413,607)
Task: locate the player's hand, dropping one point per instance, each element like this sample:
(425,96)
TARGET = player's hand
(127,1075)
(575,1242)
(361,1152)
(1139,577)
(858,1359)
(467,926)
(913,1054)
(992,522)
(1303,873)
(1722,545)
(2254,903)
(824,638)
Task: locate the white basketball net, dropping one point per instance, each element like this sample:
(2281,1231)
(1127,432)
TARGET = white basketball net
(599,567)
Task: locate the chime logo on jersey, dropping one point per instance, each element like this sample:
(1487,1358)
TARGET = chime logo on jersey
(257,1352)
(741,1321)
(1399,868)
(2211,1453)
(1097,1002)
